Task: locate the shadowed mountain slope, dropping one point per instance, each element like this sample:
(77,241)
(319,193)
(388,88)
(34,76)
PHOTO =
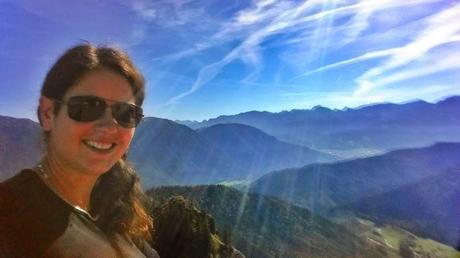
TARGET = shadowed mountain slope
(168,153)
(429,207)
(324,186)
(257,151)
(165,152)
(21,145)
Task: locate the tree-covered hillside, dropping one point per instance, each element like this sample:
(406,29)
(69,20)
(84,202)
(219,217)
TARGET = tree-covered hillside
(182,230)
(265,227)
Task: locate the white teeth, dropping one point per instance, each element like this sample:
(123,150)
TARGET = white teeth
(98,145)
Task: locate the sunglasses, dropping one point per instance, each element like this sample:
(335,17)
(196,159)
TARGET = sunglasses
(91,108)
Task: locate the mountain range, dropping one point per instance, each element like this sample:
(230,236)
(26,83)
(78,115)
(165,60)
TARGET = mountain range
(413,188)
(167,153)
(352,132)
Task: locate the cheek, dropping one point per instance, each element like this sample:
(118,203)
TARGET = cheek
(126,135)
(79,131)
(66,138)
(68,131)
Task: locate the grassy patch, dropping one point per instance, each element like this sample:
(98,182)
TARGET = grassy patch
(391,237)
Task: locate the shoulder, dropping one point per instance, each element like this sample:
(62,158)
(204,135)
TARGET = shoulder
(147,250)
(15,188)
(30,214)
(22,180)
(25,195)
(22,191)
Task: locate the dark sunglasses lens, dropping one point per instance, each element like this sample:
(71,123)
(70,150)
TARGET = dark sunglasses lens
(127,115)
(85,109)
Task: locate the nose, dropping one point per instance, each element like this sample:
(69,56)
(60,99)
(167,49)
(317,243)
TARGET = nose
(107,121)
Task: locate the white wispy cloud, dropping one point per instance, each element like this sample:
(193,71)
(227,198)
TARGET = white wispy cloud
(260,13)
(364,10)
(166,13)
(145,10)
(433,66)
(362,58)
(440,30)
(253,26)
(272,16)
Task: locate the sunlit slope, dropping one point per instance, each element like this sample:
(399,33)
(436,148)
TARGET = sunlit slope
(402,242)
(267,227)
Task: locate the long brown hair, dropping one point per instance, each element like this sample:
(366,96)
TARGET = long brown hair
(117,198)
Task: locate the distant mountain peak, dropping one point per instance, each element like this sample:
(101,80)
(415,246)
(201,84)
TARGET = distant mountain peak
(450,100)
(236,126)
(320,108)
(164,122)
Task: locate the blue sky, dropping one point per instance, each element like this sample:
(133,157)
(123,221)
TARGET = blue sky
(202,59)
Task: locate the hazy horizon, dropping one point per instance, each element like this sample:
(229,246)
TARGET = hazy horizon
(344,108)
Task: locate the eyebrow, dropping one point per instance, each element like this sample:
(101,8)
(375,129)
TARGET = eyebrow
(105,99)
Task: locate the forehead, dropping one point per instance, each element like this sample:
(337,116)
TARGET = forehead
(105,84)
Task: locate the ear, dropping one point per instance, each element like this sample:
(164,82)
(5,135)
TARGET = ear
(46,113)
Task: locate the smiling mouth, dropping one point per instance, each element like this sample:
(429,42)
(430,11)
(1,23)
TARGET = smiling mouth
(98,146)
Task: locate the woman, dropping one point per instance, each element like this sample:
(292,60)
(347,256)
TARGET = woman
(82,200)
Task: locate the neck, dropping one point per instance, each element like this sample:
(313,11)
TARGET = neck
(73,186)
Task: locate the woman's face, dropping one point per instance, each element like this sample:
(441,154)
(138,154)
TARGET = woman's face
(91,147)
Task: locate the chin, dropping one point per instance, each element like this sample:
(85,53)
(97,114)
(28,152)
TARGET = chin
(98,171)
